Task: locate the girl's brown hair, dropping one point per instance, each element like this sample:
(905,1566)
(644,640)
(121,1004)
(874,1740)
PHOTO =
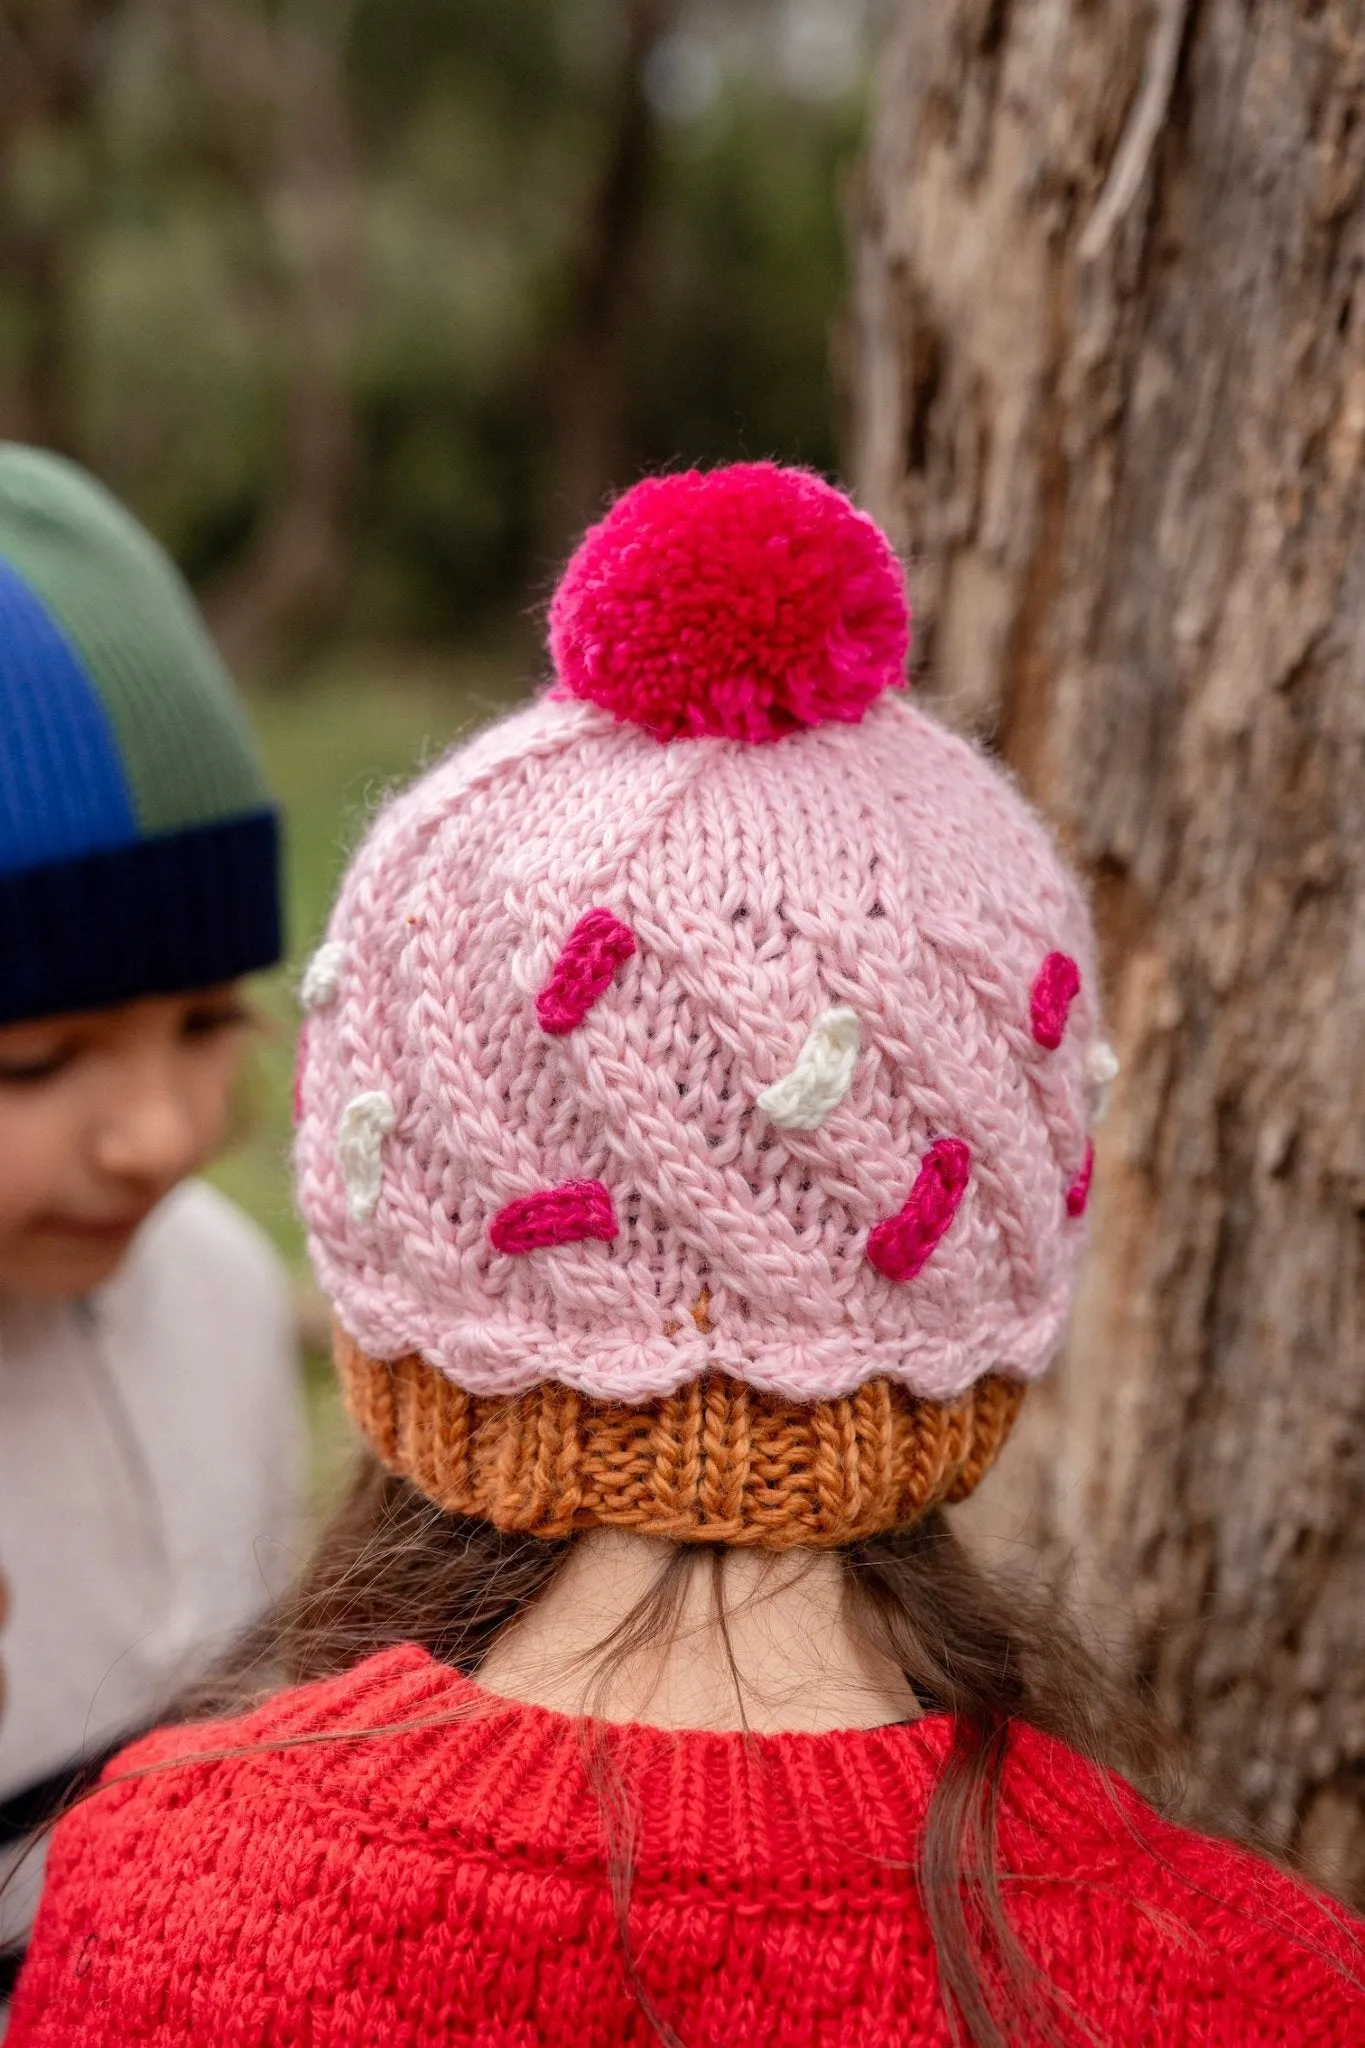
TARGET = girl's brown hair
(389,1568)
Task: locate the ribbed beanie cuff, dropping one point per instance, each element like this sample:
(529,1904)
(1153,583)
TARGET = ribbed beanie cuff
(716,1462)
(179,912)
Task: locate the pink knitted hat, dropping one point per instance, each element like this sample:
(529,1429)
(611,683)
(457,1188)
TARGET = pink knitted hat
(709,1047)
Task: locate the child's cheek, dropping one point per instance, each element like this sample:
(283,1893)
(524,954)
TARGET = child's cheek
(40,1150)
(37,1143)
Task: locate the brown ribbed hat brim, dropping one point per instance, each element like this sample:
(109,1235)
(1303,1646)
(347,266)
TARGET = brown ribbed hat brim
(715,1462)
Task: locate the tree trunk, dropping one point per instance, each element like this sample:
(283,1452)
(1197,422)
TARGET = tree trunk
(1109,364)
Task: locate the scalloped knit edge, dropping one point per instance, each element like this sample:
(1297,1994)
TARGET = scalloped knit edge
(488,1359)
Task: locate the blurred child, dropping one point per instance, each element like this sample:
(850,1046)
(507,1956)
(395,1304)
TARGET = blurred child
(695,1143)
(149,1430)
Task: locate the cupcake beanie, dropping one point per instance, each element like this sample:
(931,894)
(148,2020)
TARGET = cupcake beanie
(696,1089)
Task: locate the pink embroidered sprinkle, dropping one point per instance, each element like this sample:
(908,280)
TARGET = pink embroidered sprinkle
(562,1215)
(1078,1194)
(901,1245)
(588,959)
(1055,990)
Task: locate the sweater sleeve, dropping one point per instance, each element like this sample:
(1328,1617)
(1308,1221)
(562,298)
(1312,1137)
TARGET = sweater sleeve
(101,1883)
(1287,1964)
(1161,1934)
(156,1877)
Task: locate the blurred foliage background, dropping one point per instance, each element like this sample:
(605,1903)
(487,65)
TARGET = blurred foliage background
(367,306)
(364,305)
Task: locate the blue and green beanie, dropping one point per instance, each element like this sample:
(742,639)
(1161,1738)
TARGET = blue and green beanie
(138,840)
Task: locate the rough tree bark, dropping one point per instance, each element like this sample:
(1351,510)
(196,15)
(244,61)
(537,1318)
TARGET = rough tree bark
(1109,367)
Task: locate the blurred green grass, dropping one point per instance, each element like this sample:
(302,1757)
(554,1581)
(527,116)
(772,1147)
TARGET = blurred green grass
(350,729)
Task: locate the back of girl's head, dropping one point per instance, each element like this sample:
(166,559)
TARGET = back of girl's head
(696,1088)
(695,1107)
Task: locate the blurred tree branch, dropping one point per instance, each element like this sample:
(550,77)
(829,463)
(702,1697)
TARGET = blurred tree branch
(585,377)
(275,89)
(52,54)
(364,305)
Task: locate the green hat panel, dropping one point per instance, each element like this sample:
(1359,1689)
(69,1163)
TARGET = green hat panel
(187,751)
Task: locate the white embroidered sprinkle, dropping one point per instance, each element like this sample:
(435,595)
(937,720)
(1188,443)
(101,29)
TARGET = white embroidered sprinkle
(1101,1071)
(322,976)
(365,1123)
(821,1078)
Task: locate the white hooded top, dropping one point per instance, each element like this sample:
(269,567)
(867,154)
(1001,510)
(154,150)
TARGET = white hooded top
(151,1468)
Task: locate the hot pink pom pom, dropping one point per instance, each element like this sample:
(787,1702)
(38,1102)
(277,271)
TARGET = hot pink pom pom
(745,602)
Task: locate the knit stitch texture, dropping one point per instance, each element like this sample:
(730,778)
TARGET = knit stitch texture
(885,869)
(447,1885)
(716,1462)
(695,1100)
(747,602)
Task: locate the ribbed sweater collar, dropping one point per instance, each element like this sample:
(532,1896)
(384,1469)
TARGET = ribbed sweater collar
(523,1782)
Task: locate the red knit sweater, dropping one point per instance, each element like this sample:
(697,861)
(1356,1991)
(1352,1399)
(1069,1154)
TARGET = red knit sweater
(446,1885)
